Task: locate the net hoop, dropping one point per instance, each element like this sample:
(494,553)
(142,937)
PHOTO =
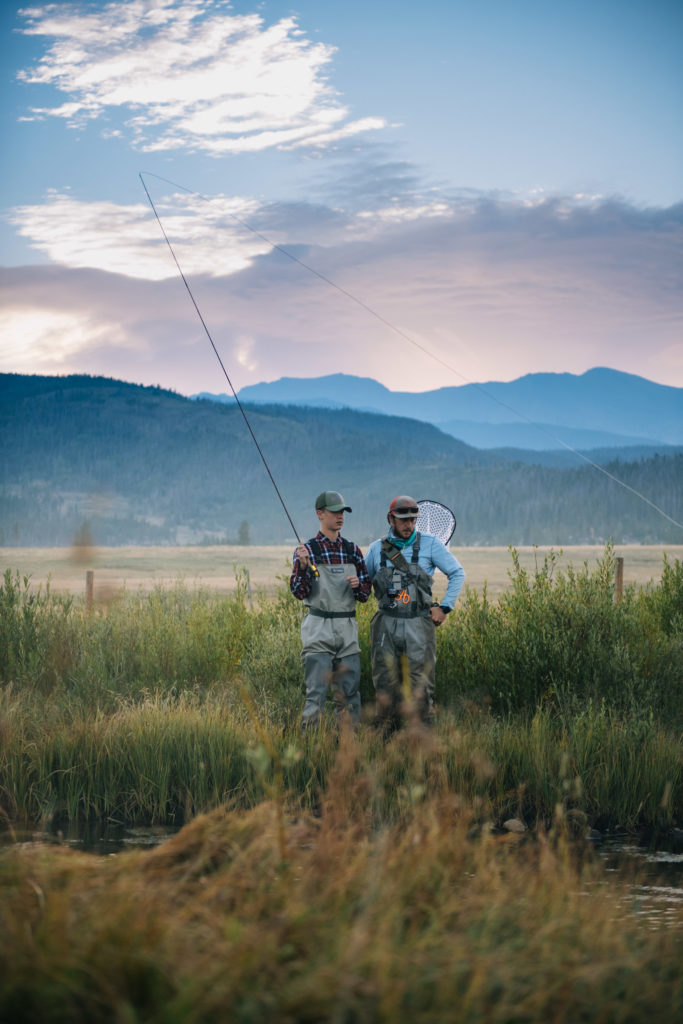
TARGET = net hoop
(436,519)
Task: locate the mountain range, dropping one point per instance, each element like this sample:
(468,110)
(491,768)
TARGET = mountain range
(125,464)
(602,408)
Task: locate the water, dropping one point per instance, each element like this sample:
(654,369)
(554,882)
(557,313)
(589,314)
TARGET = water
(656,894)
(94,837)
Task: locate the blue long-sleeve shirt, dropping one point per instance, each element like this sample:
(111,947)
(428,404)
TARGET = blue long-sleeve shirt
(432,555)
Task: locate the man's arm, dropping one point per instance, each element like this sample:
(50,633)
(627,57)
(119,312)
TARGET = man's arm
(451,567)
(372,559)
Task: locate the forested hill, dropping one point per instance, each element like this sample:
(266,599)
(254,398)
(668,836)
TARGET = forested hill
(141,465)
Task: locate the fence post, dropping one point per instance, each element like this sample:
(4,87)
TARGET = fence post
(618,579)
(89,589)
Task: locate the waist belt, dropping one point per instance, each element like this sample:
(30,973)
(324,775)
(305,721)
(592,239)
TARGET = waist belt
(332,615)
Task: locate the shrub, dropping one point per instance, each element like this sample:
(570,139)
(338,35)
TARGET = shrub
(562,639)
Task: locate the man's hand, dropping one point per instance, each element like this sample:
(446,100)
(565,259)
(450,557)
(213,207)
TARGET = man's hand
(354,582)
(437,614)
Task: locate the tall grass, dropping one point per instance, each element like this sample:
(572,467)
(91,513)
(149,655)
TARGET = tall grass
(153,708)
(556,637)
(350,919)
(560,639)
(164,759)
(171,639)
(339,876)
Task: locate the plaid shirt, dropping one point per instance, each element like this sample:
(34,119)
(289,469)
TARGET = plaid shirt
(333,553)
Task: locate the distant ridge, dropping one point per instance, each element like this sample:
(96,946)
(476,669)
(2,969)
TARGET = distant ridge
(124,464)
(597,409)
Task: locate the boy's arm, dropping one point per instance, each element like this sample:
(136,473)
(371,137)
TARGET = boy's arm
(302,578)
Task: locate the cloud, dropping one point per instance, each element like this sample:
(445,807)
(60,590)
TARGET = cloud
(49,338)
(126,239)
(492,289)
(217,236)
(187,75)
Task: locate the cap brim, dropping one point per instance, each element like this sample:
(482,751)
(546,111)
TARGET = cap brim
(338,508)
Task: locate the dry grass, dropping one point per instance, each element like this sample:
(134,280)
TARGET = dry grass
(349,919)
(146,567)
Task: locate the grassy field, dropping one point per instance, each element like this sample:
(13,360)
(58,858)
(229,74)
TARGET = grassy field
(334,876)
(138,707)
(143,568)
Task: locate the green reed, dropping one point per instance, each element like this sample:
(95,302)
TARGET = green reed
(556,697)
(166,758)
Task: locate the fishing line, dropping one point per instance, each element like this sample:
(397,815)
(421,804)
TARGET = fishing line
(208,334)
(401,334)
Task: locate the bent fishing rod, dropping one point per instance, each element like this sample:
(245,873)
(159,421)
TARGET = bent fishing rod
(222,366)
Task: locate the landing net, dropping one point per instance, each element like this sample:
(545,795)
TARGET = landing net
(437,519)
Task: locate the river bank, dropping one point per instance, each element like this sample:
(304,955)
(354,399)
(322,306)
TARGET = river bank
(259,914)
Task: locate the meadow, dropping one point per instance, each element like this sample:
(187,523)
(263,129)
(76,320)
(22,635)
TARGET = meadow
(444,874)
(143,568)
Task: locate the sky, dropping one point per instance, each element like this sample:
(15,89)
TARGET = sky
(427,194)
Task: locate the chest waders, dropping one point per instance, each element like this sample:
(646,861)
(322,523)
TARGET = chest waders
(329,636)
(403,635)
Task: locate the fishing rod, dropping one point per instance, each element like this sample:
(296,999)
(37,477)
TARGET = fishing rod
(222,366)
(406,337)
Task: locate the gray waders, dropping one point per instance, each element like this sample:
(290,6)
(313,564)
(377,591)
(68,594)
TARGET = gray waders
(403,637)
(330,651)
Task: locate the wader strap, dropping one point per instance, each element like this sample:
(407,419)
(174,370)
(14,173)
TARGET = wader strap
(384,591)
(396,556)
(347,545)
(331,615)
(316,549)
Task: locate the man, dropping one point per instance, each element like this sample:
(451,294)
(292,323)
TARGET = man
(403,632)
(329,576)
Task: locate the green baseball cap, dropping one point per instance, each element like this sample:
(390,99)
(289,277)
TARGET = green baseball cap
(331,500)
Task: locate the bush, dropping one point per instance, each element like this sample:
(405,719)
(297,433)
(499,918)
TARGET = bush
(561,639)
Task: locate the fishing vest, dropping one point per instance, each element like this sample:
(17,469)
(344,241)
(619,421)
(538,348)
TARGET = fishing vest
(403,589)
(331,597)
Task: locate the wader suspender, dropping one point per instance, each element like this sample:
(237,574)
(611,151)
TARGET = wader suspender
(396,556)
(398,561)
(318,553)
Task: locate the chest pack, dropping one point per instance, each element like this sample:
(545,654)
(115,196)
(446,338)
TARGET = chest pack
(331,597)
(403,589)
